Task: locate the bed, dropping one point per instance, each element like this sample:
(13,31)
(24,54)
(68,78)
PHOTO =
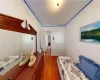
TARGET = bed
(68,70)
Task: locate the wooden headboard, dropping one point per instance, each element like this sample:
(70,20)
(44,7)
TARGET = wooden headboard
(14,24)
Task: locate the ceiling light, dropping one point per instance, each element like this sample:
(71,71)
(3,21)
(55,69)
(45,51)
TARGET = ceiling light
(54,6)
(58,4)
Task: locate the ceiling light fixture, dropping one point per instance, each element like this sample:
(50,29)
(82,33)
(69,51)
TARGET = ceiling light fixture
(58,4)
(55,6)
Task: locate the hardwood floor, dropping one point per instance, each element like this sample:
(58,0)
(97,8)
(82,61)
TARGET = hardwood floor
(50,71)
(48,51)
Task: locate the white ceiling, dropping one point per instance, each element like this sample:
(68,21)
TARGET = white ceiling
(49,14)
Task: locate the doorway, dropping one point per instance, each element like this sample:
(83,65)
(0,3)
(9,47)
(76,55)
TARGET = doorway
(48,42)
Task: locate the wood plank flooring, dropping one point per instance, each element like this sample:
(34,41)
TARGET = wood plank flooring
(50,71)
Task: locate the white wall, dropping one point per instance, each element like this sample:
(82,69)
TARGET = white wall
(46,41)
(18,9)
(74,47)
(57,45)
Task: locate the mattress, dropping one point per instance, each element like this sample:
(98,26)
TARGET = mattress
(68,70)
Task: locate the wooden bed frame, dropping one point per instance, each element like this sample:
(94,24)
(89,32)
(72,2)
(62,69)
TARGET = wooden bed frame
(14,24)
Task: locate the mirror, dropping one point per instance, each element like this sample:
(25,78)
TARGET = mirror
(14,43)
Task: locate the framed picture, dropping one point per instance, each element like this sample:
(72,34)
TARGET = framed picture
(91,32)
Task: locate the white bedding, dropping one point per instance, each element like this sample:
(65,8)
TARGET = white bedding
(68,70)
(13,60)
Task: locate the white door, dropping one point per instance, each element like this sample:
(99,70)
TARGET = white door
(57,43)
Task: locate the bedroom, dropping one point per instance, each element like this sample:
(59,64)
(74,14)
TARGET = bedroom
(66,39)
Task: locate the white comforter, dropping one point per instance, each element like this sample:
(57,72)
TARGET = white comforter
(68,70)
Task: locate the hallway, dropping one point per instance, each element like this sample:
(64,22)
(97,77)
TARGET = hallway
(48,50)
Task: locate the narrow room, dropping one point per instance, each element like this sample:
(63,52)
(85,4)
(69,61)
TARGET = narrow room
(49,39)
